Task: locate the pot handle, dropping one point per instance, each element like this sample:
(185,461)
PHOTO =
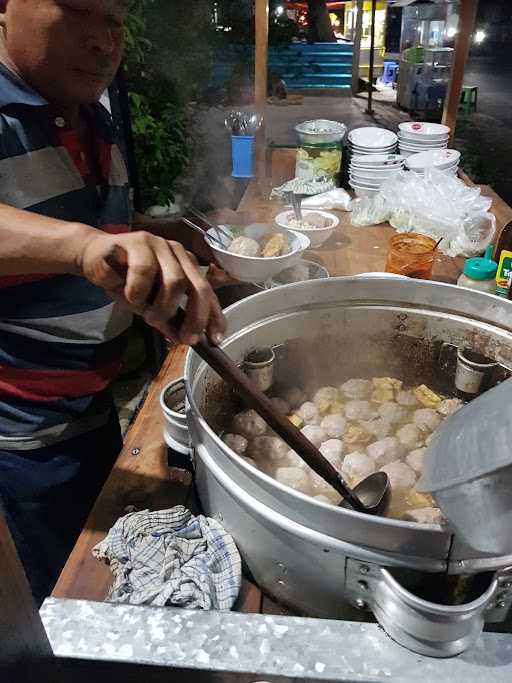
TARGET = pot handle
(428,628)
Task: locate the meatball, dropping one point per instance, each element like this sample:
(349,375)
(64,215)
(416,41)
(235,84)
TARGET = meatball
(356,434)
(401,476)
(267,448)
(410,436)
(386,450)
(332,451)
(251,462)
(392,412)
(319,487)
(379,428)
(426,419)
(326,394)
(315,434)
(295,478)
(245,246)
(415,459)
(236,442)
(449,406)
(336,408)
(309,413)
(357,388)
(359,410)
(334,425)
(356,467)
(424,516)
(249,424)
(406,398)
(293,460)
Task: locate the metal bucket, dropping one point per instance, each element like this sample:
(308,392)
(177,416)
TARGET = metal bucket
(302,551)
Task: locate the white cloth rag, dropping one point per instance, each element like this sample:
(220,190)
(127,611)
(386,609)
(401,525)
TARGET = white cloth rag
(303,186)
(327,201)
(170,557)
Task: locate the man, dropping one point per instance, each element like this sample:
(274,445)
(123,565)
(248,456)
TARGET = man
(64,214)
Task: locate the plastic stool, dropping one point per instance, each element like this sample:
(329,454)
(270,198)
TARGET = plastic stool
(389,72)
(469,98)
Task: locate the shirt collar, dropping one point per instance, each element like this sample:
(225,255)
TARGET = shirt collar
(14,91)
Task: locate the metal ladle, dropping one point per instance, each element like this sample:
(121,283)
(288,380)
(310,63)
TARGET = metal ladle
(370,496)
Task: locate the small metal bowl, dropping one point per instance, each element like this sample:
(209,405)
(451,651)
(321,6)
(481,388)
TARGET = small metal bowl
(173,404)
(314,272)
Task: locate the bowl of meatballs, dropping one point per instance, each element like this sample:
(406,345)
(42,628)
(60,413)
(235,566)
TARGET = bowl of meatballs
(318,226)
(258,252)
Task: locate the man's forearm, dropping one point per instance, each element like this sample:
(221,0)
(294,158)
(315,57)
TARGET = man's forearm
(30,243)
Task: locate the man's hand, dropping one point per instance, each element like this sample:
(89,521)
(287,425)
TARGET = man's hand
(155,265)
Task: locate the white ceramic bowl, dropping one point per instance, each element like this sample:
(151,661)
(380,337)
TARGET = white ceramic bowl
(439,158)
(252,269)
(364,182)
(375,175)
(313,270)
(417,150)
(380,161)
(316,236)
(421,140)
(363,191)
(372,137)
(420,148)
(424,128)
(368,162)
(453,170)
(420,145)
(373,150)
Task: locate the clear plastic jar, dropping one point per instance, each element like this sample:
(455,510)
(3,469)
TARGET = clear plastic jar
(412,255)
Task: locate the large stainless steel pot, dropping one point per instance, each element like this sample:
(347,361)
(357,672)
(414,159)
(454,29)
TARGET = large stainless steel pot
(322,560)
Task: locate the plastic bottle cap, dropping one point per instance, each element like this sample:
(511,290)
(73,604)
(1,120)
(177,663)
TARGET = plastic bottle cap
(481,267)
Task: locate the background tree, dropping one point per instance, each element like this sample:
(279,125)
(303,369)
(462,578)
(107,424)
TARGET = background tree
(320,22)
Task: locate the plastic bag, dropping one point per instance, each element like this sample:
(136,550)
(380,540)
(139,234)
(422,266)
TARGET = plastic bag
(327,201)
(437,204)
(369,211)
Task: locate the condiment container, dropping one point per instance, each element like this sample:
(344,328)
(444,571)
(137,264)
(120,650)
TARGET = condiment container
(503,256)
(412,255)
(480,273)
(319,152)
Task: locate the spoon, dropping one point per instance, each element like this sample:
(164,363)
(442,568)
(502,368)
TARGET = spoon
(296,202)
(375,487)
(255,122)
(211,224)
(202,232)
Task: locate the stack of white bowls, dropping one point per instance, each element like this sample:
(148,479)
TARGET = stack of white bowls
(446,160)
(372,140)
(417,136)
(369,171)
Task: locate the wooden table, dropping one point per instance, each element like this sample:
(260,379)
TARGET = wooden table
(141,476)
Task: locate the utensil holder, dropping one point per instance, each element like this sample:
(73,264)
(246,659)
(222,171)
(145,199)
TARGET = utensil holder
(242,147)
(471,376)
